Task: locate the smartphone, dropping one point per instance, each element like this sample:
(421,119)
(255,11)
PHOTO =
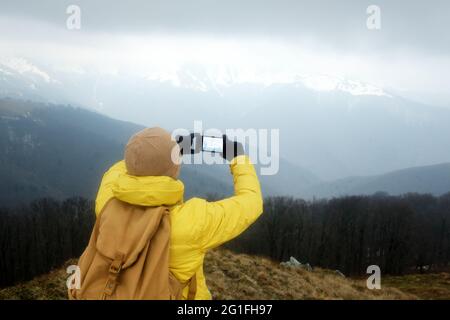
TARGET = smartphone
(212,144)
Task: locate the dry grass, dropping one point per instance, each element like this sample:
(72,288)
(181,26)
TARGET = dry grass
(239,276)
(425,286)
(51,286)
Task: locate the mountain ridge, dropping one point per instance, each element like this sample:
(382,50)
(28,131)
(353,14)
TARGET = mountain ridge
(37,163)
(431,179)
(62,151)
(329,132)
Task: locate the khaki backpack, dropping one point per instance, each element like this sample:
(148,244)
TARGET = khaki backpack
(128,256)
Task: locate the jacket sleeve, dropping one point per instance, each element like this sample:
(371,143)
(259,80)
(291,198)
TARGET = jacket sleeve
(105,190)
(226,219)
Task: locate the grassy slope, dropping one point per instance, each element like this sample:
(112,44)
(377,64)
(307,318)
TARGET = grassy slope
(425,286)
(238,276)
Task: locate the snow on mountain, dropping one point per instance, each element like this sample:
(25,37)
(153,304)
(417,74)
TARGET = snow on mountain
(362,130)
(198,78)
(222,77)
(21,78)
(23,67)
(329,83)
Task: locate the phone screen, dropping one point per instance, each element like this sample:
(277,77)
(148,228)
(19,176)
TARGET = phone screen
(212,144)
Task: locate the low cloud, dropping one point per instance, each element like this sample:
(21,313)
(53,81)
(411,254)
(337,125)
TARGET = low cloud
(407,54)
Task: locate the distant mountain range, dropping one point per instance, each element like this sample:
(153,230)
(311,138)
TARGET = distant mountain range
(62,151)
(433,179)
(22,78)
(329,127)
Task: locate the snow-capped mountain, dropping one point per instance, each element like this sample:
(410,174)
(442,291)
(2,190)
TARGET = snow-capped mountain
(222,77)
(332,126)
(23,67)
(329,83)
(20,77)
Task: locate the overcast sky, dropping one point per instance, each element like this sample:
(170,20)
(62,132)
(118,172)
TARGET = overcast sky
(410,54)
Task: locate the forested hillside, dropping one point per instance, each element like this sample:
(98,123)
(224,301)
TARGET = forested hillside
(399,234)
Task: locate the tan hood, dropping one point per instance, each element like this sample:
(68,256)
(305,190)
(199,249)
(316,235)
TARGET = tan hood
(149,153)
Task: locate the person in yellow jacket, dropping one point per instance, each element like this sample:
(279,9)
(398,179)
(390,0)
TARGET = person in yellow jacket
(148,177)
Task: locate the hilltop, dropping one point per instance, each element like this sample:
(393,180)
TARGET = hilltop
(237,276)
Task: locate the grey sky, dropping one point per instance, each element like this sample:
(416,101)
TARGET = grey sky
(414,40)
(417,24)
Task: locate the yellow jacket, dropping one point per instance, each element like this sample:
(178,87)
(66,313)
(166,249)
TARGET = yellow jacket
(197,225)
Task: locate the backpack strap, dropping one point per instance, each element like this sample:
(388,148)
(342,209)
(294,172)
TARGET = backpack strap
(114,271)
